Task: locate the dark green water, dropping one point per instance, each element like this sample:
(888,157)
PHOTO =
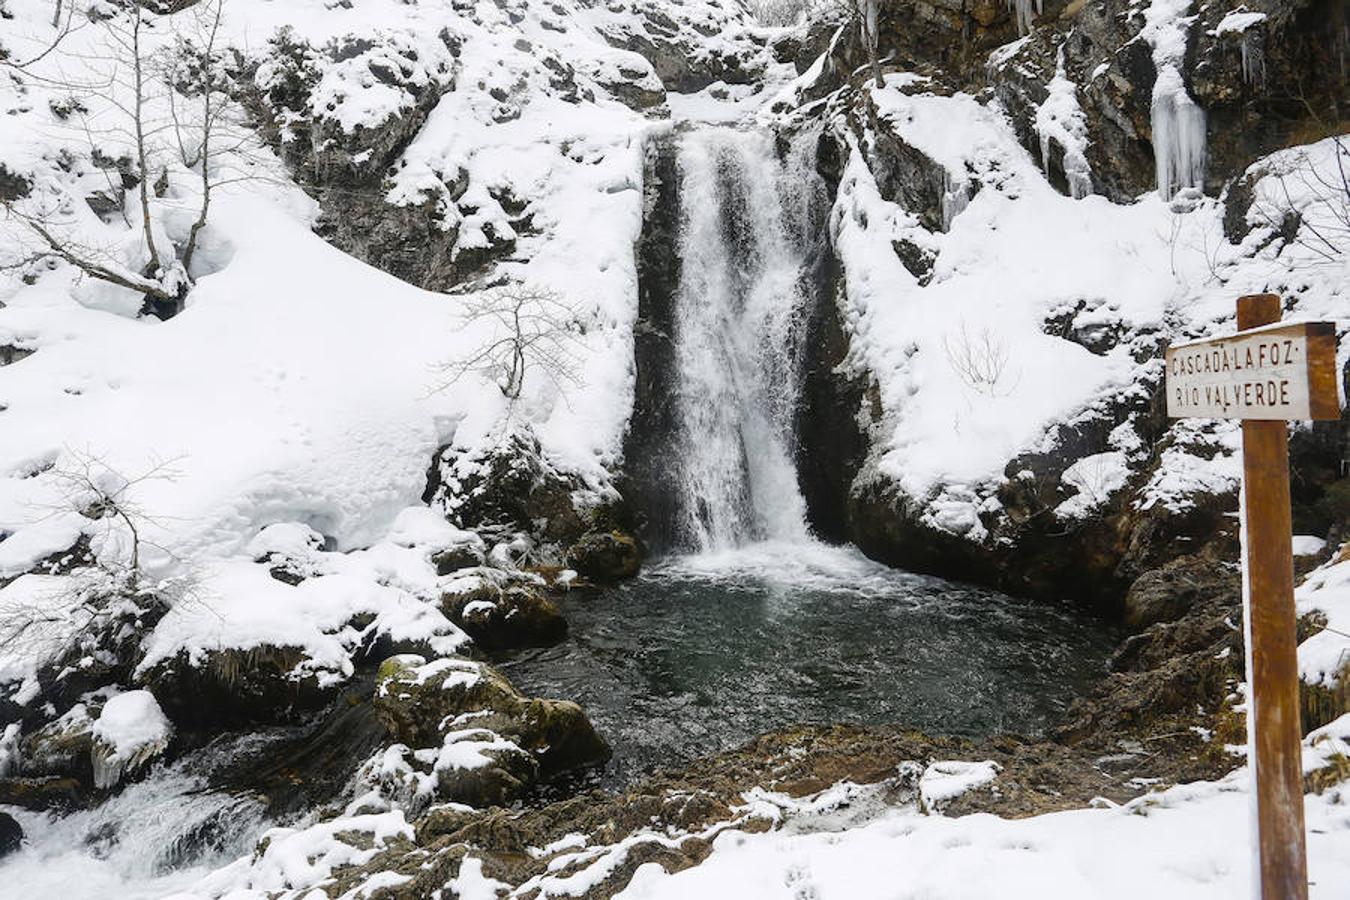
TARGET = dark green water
(701,654)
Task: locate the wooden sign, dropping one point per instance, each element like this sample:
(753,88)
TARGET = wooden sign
(1266,375)
(1278,373)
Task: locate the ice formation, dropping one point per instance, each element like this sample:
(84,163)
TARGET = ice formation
(1060,119)
(955,198)
(130,731)
(1178,121)
(1250,43)
(1024,12)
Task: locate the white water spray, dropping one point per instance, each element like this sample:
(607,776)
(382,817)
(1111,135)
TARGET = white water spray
(741,310)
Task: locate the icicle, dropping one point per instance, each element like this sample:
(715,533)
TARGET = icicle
(1024,14)
(1253,58)
(1251,42)
(1178,135)
(1178,121)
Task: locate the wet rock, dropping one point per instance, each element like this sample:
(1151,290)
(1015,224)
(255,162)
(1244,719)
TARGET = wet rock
(832,416)
(1168,593)
(461,556)
(649,483)
(11,835)
(50,793)
(236,686)
(61,748)
(506,616)
(605,556)
(484,742)
(511,486)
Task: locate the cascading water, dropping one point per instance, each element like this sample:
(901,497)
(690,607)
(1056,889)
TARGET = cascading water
(154,838)
(748,221)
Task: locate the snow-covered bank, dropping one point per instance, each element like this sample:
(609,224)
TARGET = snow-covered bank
(1190,841)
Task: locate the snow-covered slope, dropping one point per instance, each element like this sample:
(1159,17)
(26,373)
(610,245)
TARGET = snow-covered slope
(300,385)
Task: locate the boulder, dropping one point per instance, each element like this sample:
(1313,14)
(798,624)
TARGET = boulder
(509,486)
(473,737)
(452,559)
(1168,593)
(61,748)
(11,835)
(237,686)
(605,556)
(505,616)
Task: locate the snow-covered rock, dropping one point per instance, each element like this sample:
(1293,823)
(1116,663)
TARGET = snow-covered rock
(131,730)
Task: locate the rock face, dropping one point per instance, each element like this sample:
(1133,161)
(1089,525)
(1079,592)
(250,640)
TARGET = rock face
(1239,76)
(1023,542)
(300,96)
(649,481)
(677,44)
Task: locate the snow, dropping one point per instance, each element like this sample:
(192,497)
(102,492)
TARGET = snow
(1186,842)
(291,857)
(296,394)
(1324,658)
(1238,21)
(995,279)
(1094,479)
(294,400)
(943,782)
(1308,545)
(130,729)
(1019,253)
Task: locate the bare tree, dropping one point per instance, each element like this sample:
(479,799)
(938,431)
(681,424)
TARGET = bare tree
(780,12)
(980,361)
(63,23)
(1311,207)
(171,100)
(107,599)
(532,328)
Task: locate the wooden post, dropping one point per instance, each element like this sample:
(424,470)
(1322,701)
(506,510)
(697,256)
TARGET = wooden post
(1277,758)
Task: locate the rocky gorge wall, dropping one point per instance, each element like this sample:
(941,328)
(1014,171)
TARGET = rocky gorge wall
(1297,93)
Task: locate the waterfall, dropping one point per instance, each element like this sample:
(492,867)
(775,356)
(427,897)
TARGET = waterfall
(747,224)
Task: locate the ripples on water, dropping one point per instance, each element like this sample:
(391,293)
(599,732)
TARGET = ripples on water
(702,653)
